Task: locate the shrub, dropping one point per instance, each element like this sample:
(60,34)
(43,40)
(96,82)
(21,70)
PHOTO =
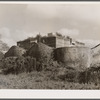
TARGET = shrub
(38,66)
(17,65)
(90,75)
(68,74)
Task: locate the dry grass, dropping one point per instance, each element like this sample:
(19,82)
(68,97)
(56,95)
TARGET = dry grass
(39,80)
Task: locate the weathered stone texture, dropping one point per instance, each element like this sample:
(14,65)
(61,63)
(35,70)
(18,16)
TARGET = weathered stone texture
(74,56)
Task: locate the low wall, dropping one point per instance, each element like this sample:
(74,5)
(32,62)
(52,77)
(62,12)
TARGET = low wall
(74,56)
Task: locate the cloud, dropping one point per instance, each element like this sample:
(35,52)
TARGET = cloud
(69,32)
(5,32)
(21,34)
(19,21)
(9,37)
(5,36)
(74,33)
(88,12)
(42,10)
(90,43)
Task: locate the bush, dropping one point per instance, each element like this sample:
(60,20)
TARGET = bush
(17,65)
(38,66)
(68,74)
(90,75)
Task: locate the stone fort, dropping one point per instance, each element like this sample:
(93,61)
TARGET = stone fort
(55,40)
(66,50)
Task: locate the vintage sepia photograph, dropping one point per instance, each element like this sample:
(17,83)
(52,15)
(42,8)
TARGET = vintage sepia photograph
(50,46)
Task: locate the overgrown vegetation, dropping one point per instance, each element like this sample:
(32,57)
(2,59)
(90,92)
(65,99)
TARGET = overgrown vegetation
(38,69)
(40,80)
(16,65)
(52,70)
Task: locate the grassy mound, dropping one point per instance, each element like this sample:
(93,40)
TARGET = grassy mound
(42,53)
(15,51)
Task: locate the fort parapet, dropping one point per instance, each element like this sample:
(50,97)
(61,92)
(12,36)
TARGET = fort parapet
(56,42)
(53,40)
(27,43)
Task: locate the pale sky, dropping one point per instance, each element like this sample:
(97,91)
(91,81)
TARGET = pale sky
(80,21)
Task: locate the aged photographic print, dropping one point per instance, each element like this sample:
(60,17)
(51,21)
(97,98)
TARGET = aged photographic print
(50,46)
